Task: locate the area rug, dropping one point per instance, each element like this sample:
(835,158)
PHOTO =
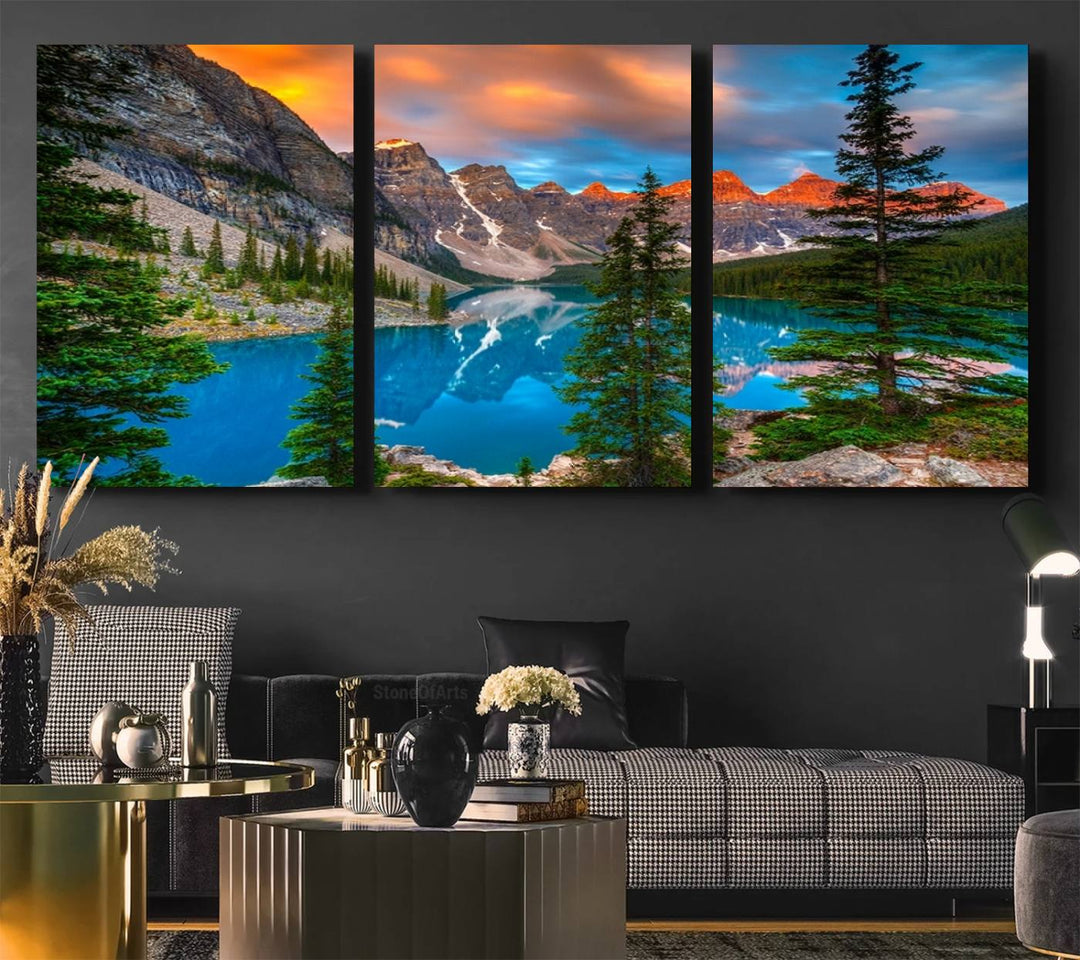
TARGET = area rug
(660,945)
(707,945)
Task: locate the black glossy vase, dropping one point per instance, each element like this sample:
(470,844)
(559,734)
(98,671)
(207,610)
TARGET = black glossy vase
(22,708)
(434,768)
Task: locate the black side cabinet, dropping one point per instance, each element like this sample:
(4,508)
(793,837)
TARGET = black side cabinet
(1042,745)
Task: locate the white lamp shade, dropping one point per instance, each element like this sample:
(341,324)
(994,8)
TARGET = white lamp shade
(1035,647)
(1060,563)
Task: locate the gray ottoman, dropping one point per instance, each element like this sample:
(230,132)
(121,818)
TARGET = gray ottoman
(1048,883)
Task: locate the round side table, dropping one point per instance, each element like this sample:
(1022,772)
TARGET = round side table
(73,842)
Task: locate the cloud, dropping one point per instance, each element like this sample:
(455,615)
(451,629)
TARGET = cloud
(610,108)
(783,109)
(314,80)
(413,69)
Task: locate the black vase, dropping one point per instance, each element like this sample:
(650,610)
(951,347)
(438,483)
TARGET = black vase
(22,708)
(434,768)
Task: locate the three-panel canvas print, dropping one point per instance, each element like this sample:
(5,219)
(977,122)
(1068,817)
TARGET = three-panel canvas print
(531,320)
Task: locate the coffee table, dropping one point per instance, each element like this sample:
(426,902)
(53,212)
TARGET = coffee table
(73,850)
(325,883)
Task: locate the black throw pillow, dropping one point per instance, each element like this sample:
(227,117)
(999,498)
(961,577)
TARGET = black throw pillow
(593,655)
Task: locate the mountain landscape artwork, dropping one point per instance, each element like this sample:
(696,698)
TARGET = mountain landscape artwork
(532,243)
(870,266)
(195,264)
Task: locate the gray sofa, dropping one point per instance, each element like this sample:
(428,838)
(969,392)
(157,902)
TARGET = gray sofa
(706,826)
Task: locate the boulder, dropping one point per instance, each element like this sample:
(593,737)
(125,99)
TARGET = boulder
(954,473)
(754,476)
(846,466)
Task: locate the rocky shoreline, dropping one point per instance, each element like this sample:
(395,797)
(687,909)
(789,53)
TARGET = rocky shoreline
(902,465)
(402,457)
(396,313)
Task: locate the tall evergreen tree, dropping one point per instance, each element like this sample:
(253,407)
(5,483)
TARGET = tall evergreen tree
(909,333)
(215,252)
(277,267)
(248,265)
(309,268)
(322,444)
(187,244)
(631,368)
(327,268)
(437,308)
(293,269)
(100,367)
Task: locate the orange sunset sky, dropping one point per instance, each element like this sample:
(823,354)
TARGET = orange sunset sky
(314,80)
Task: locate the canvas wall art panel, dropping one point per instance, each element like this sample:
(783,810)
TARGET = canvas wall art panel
(195,264)
(531,266)
(870,266)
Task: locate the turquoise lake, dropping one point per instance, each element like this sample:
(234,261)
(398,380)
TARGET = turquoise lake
(482,393)
(479,393)
(237,419)
(745,330)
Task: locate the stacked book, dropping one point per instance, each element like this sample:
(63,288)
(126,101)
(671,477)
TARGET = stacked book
(527,801)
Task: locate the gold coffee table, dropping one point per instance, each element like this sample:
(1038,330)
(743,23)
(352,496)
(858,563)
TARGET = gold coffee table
(73,850)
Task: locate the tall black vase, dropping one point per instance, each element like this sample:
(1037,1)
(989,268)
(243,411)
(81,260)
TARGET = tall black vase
(434,768)
(22,708)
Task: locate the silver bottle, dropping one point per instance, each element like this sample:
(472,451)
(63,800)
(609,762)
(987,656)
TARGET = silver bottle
(198,717)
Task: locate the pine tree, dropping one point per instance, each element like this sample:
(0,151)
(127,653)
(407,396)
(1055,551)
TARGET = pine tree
(215,252)
(524,471)
(309,269)
(414,294)
(327,269)
(910,334)
(631,368)
(293,269)
(322,444)
(277,268)
(437,308)
(187,244)
(248,265)
(104,379)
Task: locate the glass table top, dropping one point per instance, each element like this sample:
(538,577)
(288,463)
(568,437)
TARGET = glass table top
(83,778)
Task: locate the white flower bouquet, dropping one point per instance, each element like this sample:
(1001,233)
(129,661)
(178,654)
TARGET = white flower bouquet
(528,690)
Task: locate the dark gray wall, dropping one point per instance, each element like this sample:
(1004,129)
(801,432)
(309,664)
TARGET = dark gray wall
(834,617)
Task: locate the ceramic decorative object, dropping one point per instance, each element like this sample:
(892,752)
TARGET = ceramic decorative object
(354,764)
(434,768)
(104,729)
(527,744)
(388,803)
(382,793)
(143,740)
(22,708)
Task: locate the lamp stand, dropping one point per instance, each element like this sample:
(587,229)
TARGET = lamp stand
(1038,683)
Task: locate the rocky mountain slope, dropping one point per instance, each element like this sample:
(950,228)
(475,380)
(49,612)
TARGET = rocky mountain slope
(750,224)
(479,219)
(200,135)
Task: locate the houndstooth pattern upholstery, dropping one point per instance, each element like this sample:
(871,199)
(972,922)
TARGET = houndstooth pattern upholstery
(745,817)
(139,655)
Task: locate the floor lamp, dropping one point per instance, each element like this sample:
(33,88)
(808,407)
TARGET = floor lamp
(1045,552)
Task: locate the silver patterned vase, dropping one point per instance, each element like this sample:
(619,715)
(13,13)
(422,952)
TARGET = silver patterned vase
(527,743)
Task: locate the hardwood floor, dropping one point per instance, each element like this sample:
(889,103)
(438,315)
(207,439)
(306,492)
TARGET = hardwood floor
(747,926)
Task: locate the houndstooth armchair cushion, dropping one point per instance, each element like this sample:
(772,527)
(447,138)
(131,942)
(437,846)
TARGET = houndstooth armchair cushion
(139,655)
